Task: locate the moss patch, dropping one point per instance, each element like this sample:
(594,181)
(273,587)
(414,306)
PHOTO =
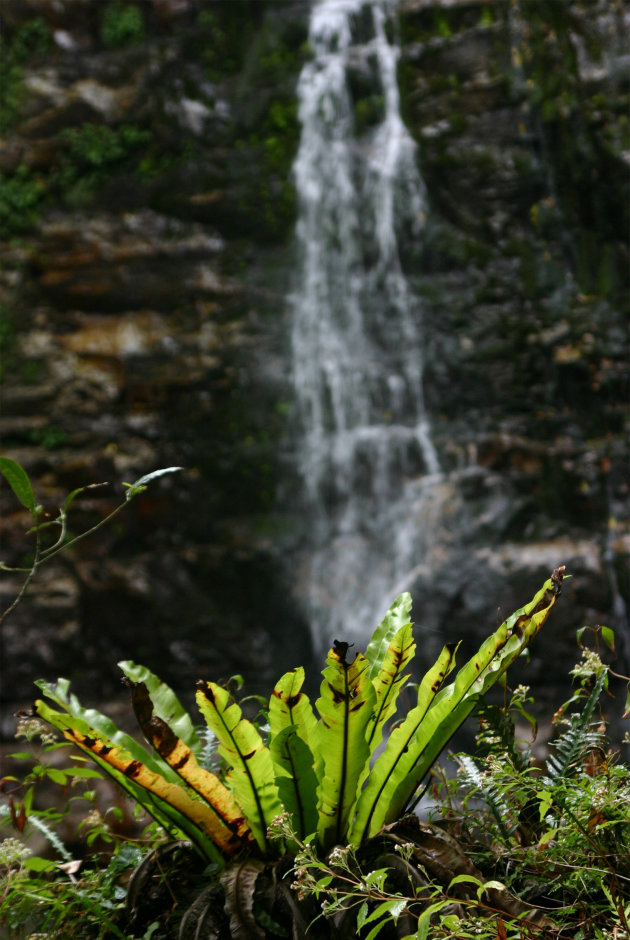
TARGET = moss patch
(122,25)
(25,45)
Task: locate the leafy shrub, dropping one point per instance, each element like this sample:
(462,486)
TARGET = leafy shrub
(555,835)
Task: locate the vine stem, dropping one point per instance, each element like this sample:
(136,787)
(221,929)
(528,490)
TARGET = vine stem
(43,556)
(29,577)
(55,549)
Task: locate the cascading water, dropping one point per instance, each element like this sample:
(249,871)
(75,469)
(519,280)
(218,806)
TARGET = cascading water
(365,449)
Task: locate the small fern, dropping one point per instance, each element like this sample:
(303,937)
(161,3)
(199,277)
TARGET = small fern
(572,748)
(51,836)
(483,785)
(497,731)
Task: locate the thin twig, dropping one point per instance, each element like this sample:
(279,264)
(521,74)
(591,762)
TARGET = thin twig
(27,581)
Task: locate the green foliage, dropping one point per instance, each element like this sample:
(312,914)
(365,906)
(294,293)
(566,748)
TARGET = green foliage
(21,196)
(346,708)
(92,153)
(53,892)
(42,898)
(19,481)
(31,40)
(557,834)
(50,437)
(443,27)
(276,140)
(368,111)
(555,837)
(93,146)
(223,43)
(299,809)
(21,192)
(117,753)
(11,90)
(122,25)
(512,837)
(356,698)
(251,775)
(294,726)
(405,884)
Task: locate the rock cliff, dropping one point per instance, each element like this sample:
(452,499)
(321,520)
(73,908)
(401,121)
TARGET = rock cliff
(147,211)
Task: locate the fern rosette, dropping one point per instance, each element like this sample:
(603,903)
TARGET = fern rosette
(313,771)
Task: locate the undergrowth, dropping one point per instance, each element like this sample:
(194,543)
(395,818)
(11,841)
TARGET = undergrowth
(520,843)
(553,833)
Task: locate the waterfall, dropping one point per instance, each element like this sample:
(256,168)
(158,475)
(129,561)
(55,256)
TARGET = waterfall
(364,446)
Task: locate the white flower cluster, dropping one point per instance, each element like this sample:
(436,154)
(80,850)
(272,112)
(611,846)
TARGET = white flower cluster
(31,728)
(406,849)
(281,827)
(94,819)
(338,856)
(303,884)
(13,851)
(591,664)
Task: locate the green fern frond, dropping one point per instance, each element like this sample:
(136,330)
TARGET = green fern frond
(497,736)
(487,789)
(51,836)
(579,738)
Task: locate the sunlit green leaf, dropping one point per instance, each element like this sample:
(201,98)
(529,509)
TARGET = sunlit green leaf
(388,682)
(83,725)
(464,879)
(414,745)
(489,886)
(395,618)
(230,830)
(295,778)
(424,921)
(35,863)
(289,705)
(392,908)
(397,758)
(345,706)
(251,776)
(85,773)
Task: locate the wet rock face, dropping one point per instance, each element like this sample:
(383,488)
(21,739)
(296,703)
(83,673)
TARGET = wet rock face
(146,219)
(518,111)
(145,232)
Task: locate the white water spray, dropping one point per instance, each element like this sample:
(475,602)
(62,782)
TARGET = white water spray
(365,448)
